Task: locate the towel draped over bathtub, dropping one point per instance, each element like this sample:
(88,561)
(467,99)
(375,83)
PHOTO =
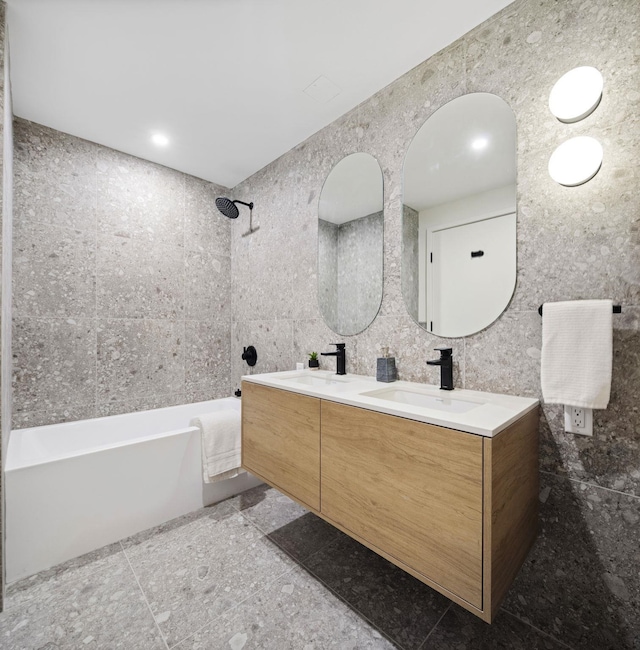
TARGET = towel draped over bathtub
(221,444)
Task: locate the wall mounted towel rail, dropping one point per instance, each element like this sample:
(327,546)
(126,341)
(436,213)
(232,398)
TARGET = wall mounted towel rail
(617,309)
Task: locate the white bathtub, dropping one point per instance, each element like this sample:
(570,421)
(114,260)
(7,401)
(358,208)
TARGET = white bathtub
(72,488)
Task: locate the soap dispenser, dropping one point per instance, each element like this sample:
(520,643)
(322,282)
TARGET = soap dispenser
(386,370)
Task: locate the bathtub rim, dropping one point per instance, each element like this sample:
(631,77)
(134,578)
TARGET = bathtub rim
(95,450)
(12,467)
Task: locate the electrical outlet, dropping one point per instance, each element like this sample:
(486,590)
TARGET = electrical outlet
(578,420)
(577,417)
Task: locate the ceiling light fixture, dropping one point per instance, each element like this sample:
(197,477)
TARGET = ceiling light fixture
(160,139)
(576,94)
(576,161)
(479,143)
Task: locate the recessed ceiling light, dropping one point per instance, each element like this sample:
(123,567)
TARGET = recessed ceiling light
(479,143)
(160,139)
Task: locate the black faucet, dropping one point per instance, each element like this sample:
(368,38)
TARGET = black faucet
(340,356)
(446,367)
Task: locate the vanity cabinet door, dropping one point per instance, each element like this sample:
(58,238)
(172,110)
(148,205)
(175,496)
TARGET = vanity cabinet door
(410,489)
(281,440)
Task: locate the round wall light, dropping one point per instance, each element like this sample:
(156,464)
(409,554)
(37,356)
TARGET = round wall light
(576,161)
(576,94)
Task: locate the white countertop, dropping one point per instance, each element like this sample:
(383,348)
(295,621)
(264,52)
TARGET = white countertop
(486,414)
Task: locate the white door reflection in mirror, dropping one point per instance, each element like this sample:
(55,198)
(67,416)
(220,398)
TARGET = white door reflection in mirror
(472,273)
(459,216)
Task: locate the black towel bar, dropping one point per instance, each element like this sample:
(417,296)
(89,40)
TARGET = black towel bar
(617,309)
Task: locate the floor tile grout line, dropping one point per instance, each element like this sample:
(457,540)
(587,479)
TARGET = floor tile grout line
(353,608)
(196,518)
(593,485)
(146,600)
(324,547)
(231,501)
(200,522)
(537,629)
(232,608)
(431,631)
(56,587)
(301,563)
(268,536)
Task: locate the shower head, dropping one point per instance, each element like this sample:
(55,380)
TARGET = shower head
(229,208)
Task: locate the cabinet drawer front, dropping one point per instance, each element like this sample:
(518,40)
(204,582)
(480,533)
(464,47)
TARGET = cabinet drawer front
(281,440)
(413,490)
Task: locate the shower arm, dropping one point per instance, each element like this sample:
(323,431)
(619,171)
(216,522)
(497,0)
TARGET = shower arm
(250,206)
(251,228)
(251,218)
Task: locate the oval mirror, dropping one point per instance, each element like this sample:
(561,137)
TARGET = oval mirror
(350,244)
(459,216)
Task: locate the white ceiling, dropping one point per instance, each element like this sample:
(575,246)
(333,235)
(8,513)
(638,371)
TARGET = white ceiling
(353,189)
(441,164)
(223,79)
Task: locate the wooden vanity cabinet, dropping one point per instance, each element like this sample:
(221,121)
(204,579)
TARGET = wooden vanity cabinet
(456,510)
(411,489)
(511,489)
(281,441)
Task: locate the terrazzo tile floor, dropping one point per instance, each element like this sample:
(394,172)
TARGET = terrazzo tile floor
(255,571)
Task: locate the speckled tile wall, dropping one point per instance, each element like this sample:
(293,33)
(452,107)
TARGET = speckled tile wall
(6,195)
(328,272)
(581,583)
(350,277)
(121,284)
(360,272)
(128,284)
(410,255)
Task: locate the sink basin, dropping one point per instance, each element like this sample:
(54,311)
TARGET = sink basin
(425,400)
(480,413)
(317,380)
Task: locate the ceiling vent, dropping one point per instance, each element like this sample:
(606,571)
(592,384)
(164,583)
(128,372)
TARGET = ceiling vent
(322,90)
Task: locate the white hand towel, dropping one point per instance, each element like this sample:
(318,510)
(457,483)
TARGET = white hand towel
(577,353)
(221,444)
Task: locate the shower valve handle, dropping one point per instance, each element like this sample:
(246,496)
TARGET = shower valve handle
(250,355)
